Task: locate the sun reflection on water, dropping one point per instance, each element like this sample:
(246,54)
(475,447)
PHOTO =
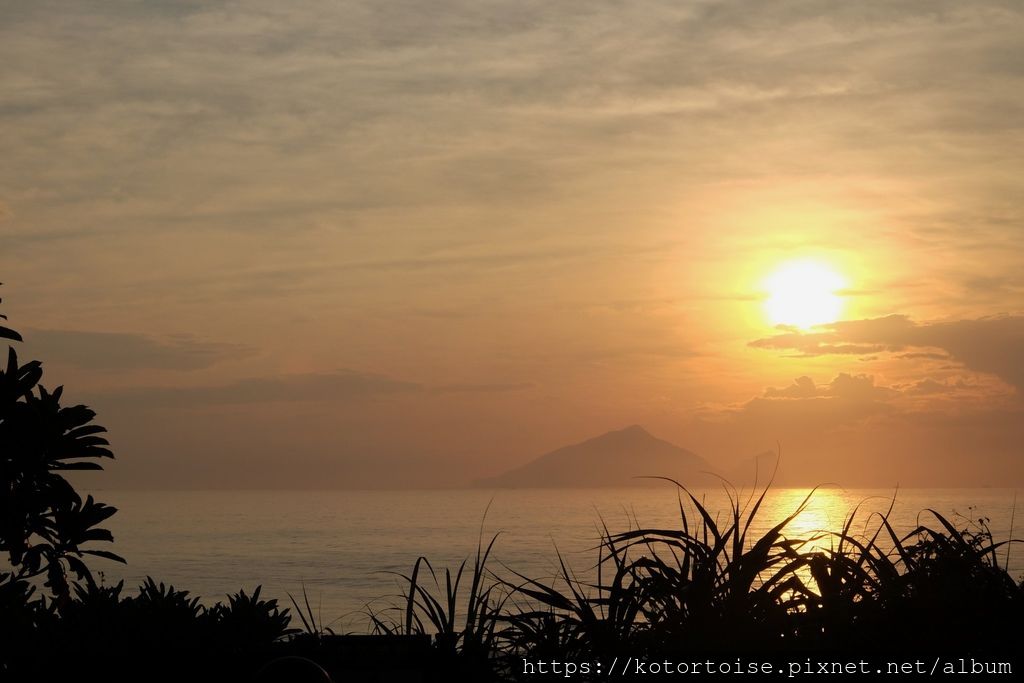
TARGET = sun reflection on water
(825,512)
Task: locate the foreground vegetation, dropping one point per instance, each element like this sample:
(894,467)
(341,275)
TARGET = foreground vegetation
(704,589)
(707,588)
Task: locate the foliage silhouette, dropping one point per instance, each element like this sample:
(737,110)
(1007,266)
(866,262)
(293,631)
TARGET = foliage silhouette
(715,589)
(44,523)
(104,634)
(463,647)
(693,591)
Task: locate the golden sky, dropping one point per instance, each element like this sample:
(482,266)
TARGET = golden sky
(337,243)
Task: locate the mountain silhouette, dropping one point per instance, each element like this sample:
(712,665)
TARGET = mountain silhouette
(610,460)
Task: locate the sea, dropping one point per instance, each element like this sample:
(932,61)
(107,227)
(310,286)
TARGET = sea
(344,551)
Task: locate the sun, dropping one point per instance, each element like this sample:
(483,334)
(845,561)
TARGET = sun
(803,294)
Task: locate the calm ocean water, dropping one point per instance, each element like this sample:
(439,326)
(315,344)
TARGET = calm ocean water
(340,545)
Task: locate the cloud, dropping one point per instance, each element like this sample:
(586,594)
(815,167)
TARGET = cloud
(856,431)
(802,387)
(129,351)
(808,346)
(343,385)
(862,388)
(349,162)
(805,407)
(844,386)
(923,355)
(858,388)
(495,388)
(993,345)
(326,387)
(476,100)
(930,387)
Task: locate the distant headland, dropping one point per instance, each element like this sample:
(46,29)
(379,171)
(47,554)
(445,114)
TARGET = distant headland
(614,459)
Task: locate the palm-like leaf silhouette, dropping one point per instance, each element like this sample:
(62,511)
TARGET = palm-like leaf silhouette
(44,523)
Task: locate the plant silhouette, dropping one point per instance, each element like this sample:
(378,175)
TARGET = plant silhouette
(44,523)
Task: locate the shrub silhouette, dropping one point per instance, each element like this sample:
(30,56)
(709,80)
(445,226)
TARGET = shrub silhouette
(46,532)
(44,523)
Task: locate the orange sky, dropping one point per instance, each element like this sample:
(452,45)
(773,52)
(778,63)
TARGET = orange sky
(318,244)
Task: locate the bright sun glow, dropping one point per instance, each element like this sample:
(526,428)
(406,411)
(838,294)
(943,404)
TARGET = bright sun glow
(803,294)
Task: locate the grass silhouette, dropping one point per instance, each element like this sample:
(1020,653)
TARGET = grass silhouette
(710,588)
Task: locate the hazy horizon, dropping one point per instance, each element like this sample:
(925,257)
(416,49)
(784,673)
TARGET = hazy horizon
(388,244)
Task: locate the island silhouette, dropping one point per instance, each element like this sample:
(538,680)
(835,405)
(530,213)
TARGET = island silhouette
(623,457)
